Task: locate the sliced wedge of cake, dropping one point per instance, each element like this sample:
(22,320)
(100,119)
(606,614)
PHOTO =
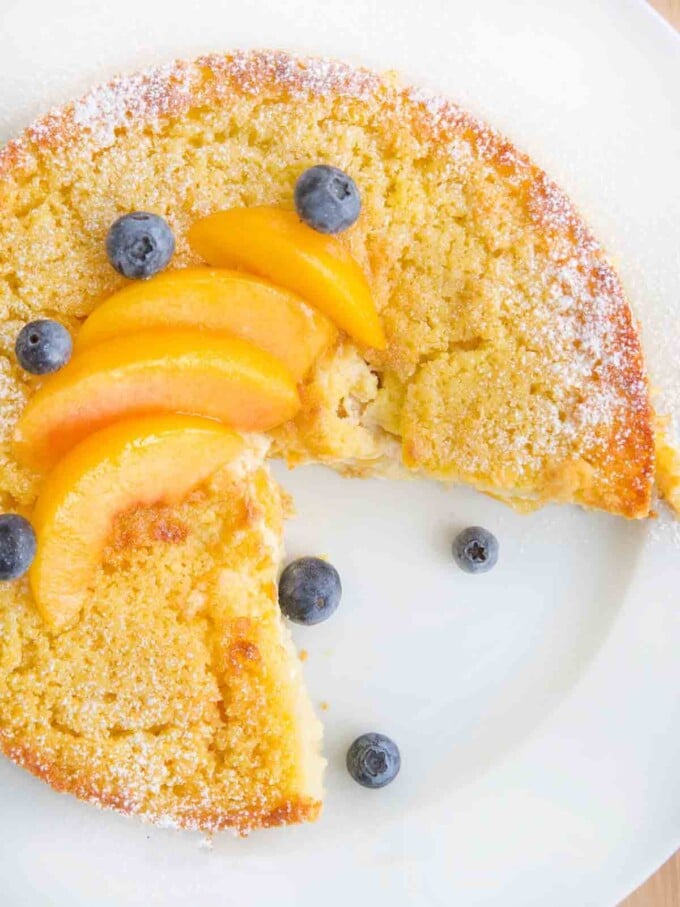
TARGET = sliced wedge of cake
(177,694)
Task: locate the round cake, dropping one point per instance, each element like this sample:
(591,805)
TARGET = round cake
(512,364)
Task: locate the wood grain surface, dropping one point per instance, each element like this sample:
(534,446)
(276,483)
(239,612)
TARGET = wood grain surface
(670,9)
(663,889)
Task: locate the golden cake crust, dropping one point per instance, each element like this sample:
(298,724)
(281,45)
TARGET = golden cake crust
(292,811)
(513,362)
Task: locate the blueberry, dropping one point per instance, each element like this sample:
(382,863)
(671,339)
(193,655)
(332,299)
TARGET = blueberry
(327,199)
(475,550)
(17,545)
(140,244)
(309,590)
(373,760)
(43,346)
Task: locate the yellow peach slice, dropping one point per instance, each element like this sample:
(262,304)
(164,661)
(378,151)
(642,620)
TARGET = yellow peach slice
(275,244)
(219,301)
(223,378)
(137,462)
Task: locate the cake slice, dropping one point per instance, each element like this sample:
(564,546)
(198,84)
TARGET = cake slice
(177,696)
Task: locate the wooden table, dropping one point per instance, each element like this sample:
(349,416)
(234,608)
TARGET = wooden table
(663,889)
(670,9)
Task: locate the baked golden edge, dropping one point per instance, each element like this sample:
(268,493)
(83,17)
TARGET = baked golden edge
(293,811)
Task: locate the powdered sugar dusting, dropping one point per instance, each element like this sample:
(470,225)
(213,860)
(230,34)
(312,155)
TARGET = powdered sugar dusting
(580,321)
(584,316)
(252,72)
(145,96)
(167,90)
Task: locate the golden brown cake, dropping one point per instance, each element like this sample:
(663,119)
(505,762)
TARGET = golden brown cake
(512,364)
(177,696)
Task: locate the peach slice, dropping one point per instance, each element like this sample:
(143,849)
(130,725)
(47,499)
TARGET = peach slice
(218,301)
(222,378)
(136,462)
(275,244)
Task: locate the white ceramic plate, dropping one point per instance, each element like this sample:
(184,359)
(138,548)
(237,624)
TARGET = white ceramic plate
(536,707)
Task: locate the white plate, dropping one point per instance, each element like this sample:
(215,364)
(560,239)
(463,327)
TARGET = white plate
(536,707)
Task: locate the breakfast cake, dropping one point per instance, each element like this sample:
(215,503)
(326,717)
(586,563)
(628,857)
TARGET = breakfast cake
(178,695)
(500,352)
